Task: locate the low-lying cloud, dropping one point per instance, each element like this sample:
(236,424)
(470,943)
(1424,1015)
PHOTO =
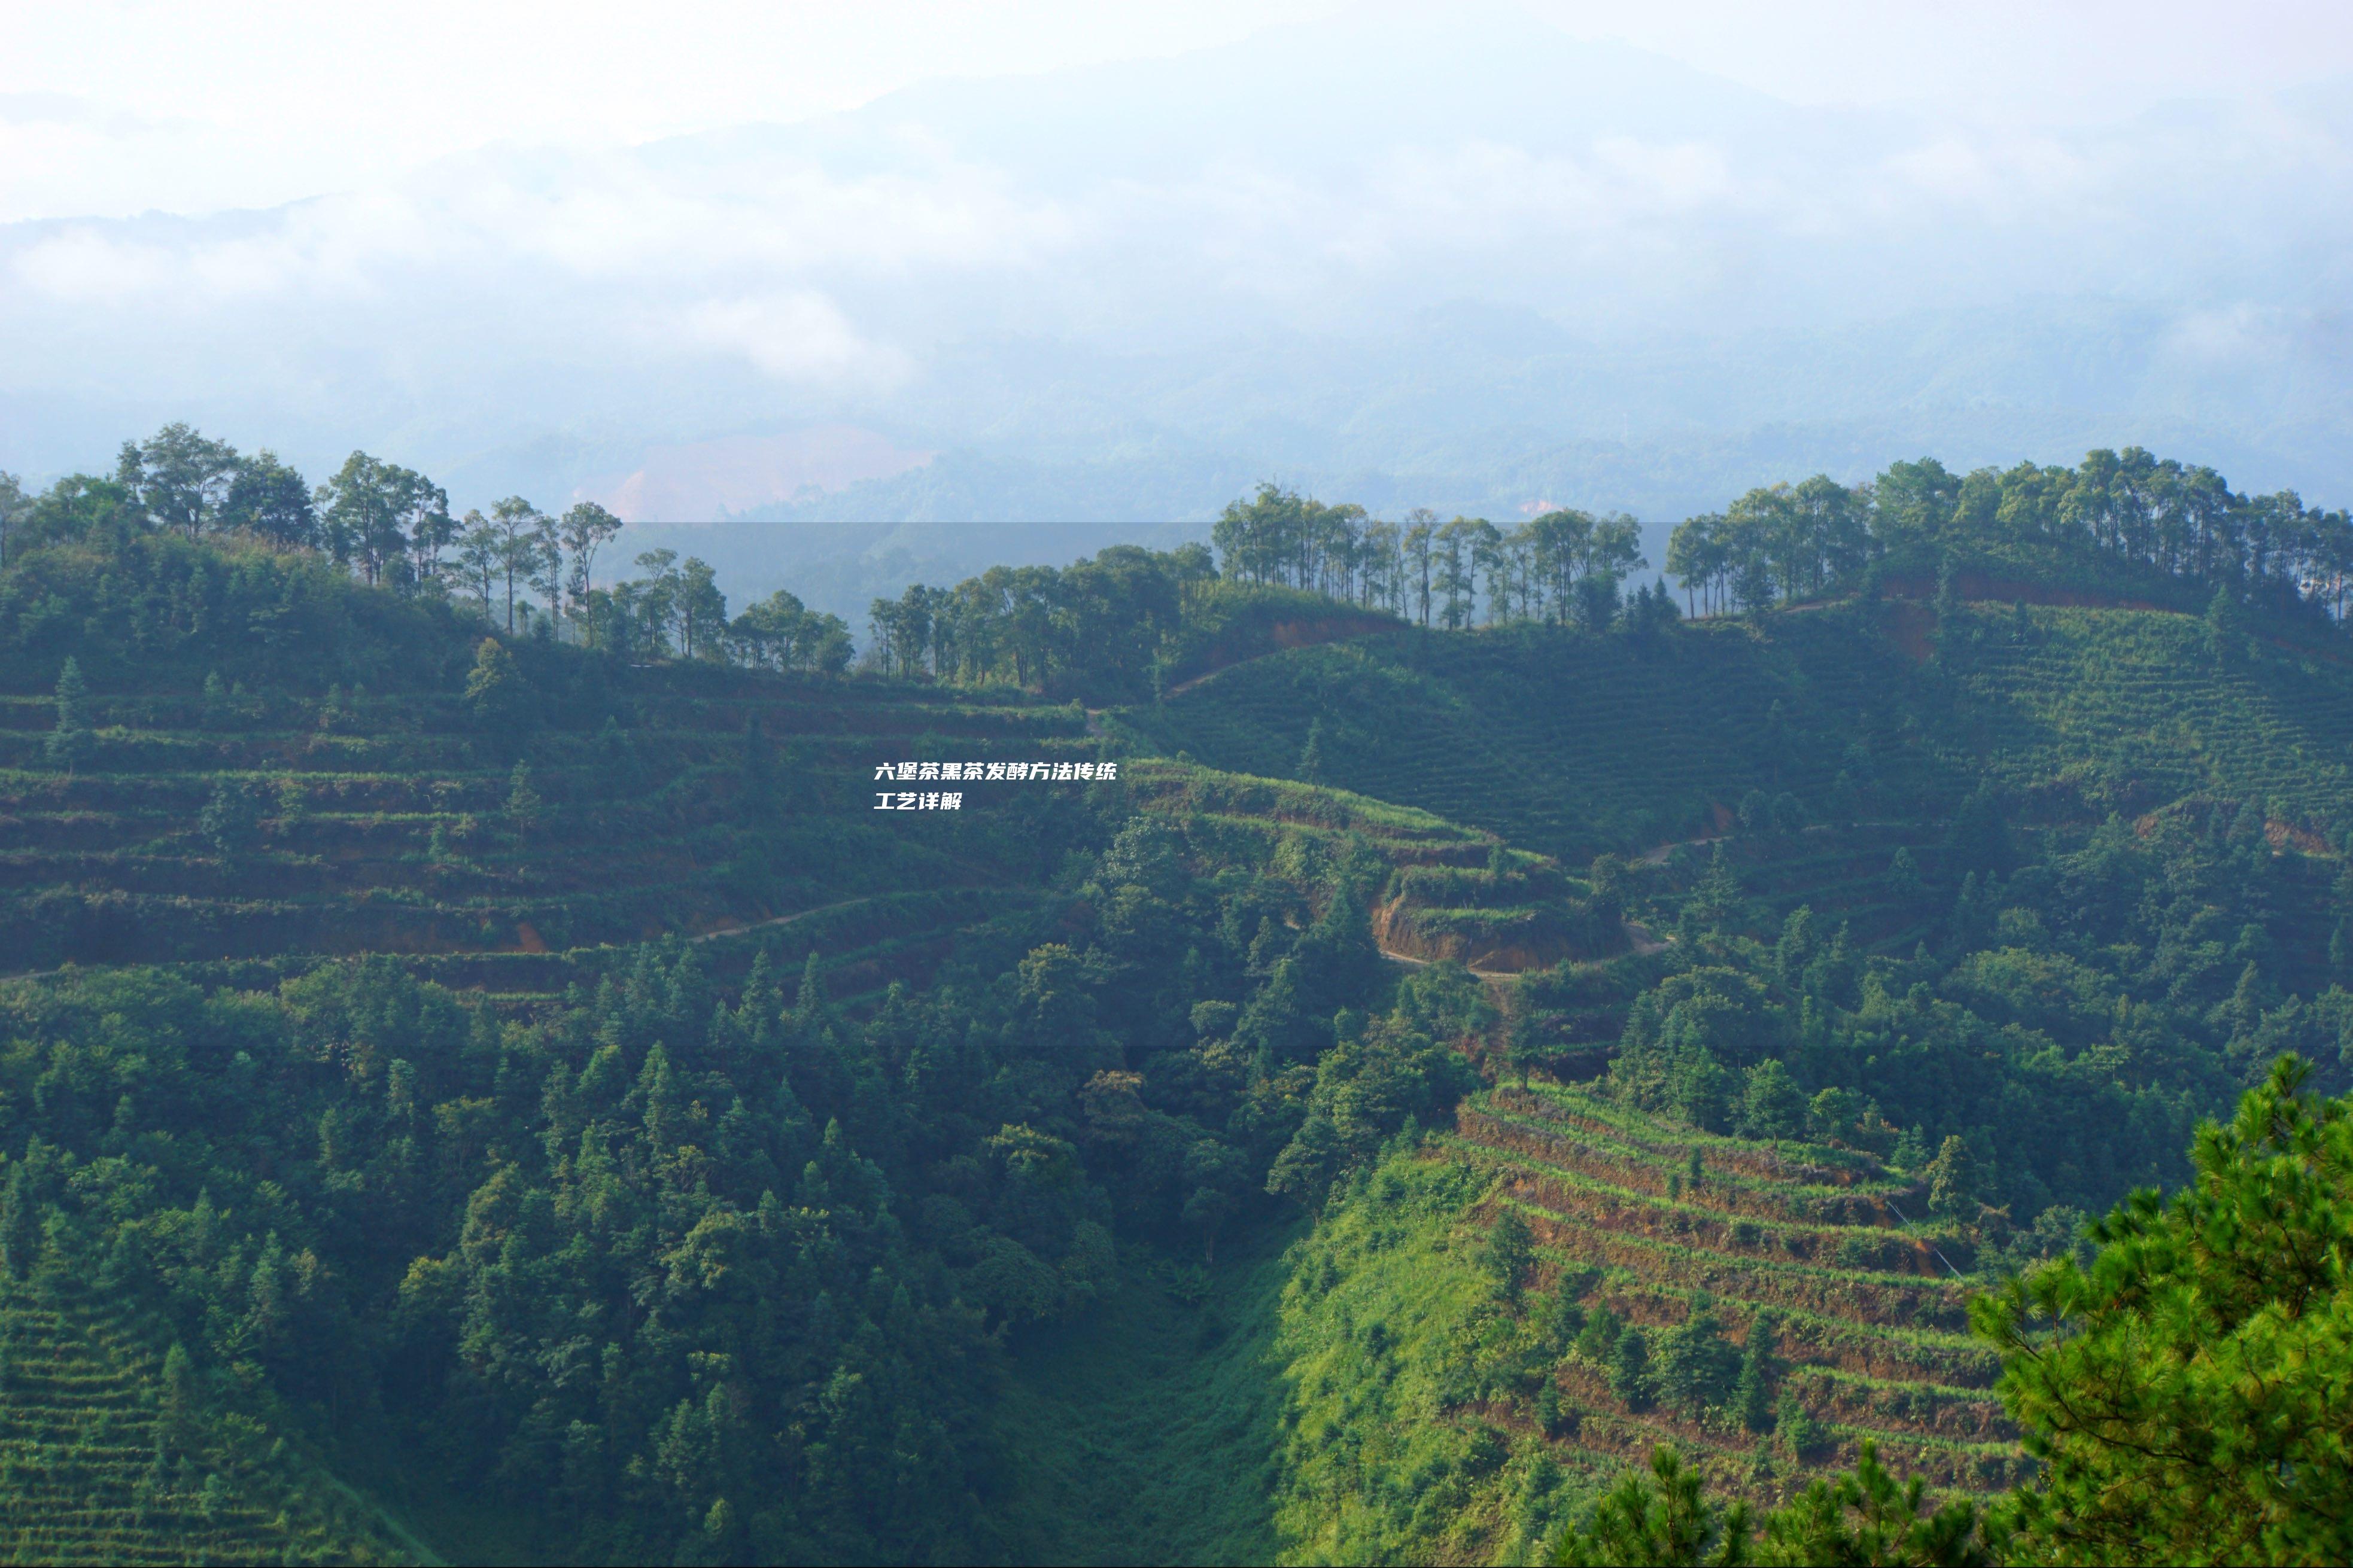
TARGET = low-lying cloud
(969,270)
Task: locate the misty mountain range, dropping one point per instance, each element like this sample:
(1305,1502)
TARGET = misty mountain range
(1469,263)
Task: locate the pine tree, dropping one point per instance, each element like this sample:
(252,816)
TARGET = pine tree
(522,802)
(1978,839)
(1952,1179)
(1510,1249)
(229,818)
(1948,632)
(1772,1106)
(20,1232)
(1795,1427)
(1752,1393)
(1310,756)
(1547,1408)
(494,686)
(2185,1393)
(808,1002)
(1629,1368)
(68,742)
(1696,1365)
(1664,1517)
(179,1397)
(1598,1337)
(1716,904)
(2225,629)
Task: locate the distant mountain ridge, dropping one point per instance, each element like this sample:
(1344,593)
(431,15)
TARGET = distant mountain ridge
(1467,263)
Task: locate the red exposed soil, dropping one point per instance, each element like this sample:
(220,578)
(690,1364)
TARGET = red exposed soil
(1910,627)
(1689,1227)
(1535,948)
(1829,1292)
(1753,1162)
(1851,1209)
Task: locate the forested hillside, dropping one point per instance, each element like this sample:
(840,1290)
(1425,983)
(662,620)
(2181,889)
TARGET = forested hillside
(587,1077)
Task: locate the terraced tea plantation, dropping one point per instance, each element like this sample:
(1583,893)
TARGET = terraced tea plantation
(1447,890)
(1575,745)
(1847,875)
(1870,1319)
(2134,708)
(272,831)
(659,1255)
(92,1471)
(1565,744)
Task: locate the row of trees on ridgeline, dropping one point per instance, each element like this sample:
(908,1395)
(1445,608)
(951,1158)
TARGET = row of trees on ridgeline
(1775,544)
(1564,567)
(1118,617)
(522,569)
(1784,543)
(1122,621)
(1125,620)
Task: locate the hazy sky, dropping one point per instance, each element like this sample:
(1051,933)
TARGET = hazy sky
(114,107)
(1121,260)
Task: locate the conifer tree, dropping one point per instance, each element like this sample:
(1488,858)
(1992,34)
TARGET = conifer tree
(2225,627)
(2184,1393)
(20,1234)
(68,742)
(1948,632)
(178,1399)
(1697,1366)
(228,818)
(1510,1249)
(1952,1179)
(1629,1368)
(523,803)
(1795,1427)
(494,688)
(1310,756)
(1752,1393)
(809,1001)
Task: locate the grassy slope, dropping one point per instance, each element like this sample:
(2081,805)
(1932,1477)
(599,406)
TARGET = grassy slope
(1382,1464)
(1272,1420)
(1149,1430)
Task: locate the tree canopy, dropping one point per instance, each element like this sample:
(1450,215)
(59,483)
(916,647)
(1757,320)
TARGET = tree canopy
(2166,520)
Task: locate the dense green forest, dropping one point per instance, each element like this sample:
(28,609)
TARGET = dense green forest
(1381,1045)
